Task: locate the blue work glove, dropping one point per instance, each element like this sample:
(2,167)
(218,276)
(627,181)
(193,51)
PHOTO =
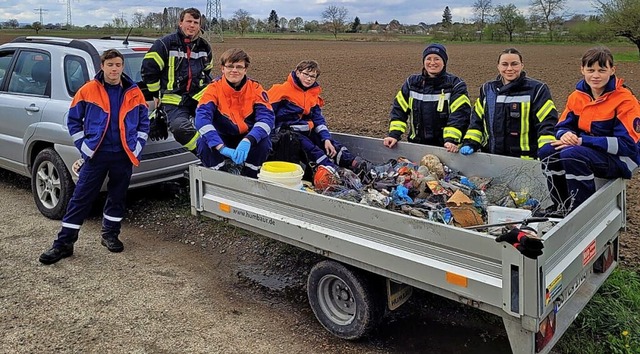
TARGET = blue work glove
(466,150)
(228,152)
(242,150)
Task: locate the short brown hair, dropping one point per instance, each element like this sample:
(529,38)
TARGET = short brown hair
(600,55)
(235,55)
(510,51)
(195,13)
(310,65)
(110,54)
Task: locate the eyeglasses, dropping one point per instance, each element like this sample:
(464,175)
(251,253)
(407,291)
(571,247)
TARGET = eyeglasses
(309,76)
(237,67)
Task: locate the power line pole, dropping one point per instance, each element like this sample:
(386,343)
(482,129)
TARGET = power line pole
(40,10)
(68,13)
(214,10)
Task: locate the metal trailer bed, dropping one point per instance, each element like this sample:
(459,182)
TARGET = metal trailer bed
(537,299)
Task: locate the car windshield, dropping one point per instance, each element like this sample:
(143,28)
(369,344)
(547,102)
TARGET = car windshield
(132,65)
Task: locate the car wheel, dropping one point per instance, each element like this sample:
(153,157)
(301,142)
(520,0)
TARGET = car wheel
(51,184)
(347,302)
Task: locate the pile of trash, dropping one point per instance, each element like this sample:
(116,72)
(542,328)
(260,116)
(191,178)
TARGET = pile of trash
(428,189)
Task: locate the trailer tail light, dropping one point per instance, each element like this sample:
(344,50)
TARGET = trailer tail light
(546,331)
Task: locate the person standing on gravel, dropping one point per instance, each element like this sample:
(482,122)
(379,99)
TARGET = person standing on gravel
(597,134)
(234,117)
(433,108)
(514,115)
(109,123)
(178,69)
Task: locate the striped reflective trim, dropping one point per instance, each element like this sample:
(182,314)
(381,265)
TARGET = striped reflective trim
(78,135)
(479,108)
(513,99)
(112,218)
(219,166)
(398,126)
(475,135)
(143,136)
(453,133)
(191,145)
(612,145)
(525,109)
(402,102)
(138,149)
(71,226)
(154,86)
(300,127)
(251,166)
(545,110)
(264,126)
(631,165)
(171,73)
(85,149)
(545,139)
(156,57)
(412,127)
(322,158)
(206,128)
(580,178)
(526,157)
(171,99)
(199,95)
(320,128)
(428,97)
(339,154)
(181,54)
(459,102)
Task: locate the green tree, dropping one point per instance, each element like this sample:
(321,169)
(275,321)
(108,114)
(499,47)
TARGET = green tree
(446,17)
(37,26)
(243,20)
(335,17)
(355,25)
(549,11)
(622,17)
(509,18)
(273,22)
(482,10)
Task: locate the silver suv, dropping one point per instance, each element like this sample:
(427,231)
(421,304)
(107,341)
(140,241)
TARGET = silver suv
(38,79)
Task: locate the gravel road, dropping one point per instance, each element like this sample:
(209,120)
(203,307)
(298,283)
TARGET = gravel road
(187,285)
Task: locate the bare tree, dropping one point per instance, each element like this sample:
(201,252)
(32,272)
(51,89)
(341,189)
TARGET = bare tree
(296,23)
(482,10)
(549,10)
(622,17)
(509,18)
(283,23)
(243,20)
(137,20)
(37,26)
(335,17)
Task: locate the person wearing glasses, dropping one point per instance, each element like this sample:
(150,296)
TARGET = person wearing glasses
(176,70)
(433,107)
(514,115)
(299,120)
(234,117)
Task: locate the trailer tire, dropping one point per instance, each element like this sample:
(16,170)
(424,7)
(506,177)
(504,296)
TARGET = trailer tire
(347,302)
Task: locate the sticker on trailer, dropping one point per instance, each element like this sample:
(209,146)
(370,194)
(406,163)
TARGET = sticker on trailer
(589,253)
(553,289)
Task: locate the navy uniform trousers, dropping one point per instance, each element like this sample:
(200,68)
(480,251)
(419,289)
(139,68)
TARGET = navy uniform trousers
(118,167)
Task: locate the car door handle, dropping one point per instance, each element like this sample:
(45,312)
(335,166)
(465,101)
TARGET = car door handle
(32,108)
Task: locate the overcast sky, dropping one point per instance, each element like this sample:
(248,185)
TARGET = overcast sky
(99,12)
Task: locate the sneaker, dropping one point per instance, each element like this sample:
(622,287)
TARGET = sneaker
(55,254)
(324,177)
(112,243)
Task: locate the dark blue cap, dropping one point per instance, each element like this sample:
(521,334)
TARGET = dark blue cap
(438,49)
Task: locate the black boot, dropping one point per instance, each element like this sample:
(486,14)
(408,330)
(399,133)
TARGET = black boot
(55,254)
(110,241)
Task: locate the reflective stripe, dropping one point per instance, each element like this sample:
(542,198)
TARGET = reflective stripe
(78,135)
(513,99)
(322,158)
(138,149)
(323,127)
(479,108)
(171,74)
(199,95)
(85,149)
(263,126)
(631,165)
(154,86)
(300,127)
(252,166)
(181,54)
(545,110)
(171,99)
(218,166)
(71,226)
(412,128)
(156,57)
(191,145)
(453,133)
(142,135)
(339,154)
(525,109)
(398,125)
(475,135)
(402,102)
(112,218)
(545,139)
(206,128)
(580,178)
(428,97)
(459,102)
(612,145)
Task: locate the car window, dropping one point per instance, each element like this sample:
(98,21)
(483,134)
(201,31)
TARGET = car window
(75,73)
(31,74)
(5,61)
(132,66)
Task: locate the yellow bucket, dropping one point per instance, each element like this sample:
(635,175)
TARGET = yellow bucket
(280,172)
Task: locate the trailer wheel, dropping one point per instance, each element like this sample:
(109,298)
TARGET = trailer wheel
(346,301)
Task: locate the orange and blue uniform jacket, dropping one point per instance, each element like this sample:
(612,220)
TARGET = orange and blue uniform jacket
(298,108)
(90,116)
(225,111)
(610,123)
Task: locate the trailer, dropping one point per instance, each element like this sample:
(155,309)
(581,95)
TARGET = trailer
(375,257)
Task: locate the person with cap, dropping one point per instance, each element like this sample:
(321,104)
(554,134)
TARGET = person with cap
(514,115)
(597,135)
(433,107)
